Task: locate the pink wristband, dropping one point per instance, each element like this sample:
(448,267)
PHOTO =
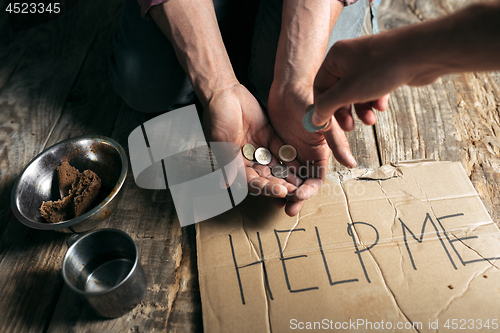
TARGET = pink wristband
(348,2)
(146,4)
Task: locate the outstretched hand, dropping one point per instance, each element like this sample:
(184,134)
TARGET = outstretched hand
(355,73)
(363,71)
(234,115)
(286,108)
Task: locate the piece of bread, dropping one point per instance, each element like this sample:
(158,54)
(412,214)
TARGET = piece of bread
(67,176)
(85,191)
(58,211)
(82,189)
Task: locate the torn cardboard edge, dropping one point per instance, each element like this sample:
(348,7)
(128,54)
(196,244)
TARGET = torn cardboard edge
(384,172)
(417,246)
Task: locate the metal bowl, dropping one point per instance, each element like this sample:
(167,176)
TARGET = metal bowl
(38,181)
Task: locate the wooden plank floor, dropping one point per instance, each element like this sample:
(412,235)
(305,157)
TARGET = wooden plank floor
(454,119)
(54,85)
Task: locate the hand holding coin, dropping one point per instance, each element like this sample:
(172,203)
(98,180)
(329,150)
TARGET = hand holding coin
(234,115)
(286,110)
(263,156)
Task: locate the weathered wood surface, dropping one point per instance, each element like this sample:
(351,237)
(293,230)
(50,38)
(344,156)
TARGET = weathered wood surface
(81,102)
(457,118)
(54,85)
(91,106)
(41,67)
(40,71)
(168,257)
(363,146)
(362,140)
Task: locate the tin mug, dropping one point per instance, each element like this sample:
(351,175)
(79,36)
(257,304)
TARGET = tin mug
(103,267)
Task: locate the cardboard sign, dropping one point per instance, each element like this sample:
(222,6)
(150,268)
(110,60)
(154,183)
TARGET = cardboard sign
(402,248)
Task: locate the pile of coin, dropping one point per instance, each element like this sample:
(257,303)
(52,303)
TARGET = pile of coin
(287,153)
(280,171)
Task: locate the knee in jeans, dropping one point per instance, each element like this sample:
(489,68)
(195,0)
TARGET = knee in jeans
(147,90)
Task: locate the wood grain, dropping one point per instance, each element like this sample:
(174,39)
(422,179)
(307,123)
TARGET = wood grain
(363,147)
(36,79)
(39,75)
(456,118)
(168,257)
(362,139)
(397,13)
(92,106)
(30,266)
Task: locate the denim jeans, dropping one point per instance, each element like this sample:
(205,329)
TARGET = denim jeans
(145,72)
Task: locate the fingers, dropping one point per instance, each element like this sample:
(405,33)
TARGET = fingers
(329,90)
(381,103)
(304,192)
(327,103)
(328,74)
(365,113)
(344,118)
(339,145)
(274,146)
(334,101)
(262,182)
(292,208)
(309,188)
(363,110)
(279,203)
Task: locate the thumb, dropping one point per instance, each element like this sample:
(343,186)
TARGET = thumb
(328,102)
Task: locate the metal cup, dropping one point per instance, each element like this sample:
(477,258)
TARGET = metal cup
(103,267)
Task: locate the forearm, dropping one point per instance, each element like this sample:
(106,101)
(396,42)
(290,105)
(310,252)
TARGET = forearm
(305,31)
(191,26)
(468,40)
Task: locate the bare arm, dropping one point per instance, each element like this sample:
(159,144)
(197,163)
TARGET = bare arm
(366,69)
(191,26)
(231,113)
(305,31)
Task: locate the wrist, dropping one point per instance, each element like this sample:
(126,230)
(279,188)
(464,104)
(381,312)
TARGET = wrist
(283,90)
(293,79)
(303,41)
(289,100)
(207,87)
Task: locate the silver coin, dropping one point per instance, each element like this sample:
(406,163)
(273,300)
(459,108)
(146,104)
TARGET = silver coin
(287,153)
(280,171)
(263,156)
(248,151)
(307,121)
